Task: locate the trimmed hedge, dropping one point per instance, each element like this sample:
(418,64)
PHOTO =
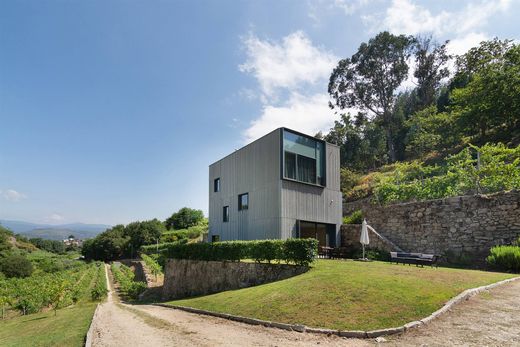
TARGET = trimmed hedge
(505,258)
(296,251)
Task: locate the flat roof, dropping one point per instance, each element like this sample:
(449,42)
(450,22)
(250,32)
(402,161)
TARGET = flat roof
(269,133)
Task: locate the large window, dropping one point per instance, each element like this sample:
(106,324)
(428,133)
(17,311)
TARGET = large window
(216,185)
(243,202)
(225,214)
(303,158)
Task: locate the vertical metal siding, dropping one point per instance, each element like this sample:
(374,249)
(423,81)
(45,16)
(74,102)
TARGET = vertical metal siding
(253,169)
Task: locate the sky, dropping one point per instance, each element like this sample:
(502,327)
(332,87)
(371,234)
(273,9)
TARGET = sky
(112,111)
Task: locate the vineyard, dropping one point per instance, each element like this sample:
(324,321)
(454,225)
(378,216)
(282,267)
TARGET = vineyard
(45,291)
(125,278)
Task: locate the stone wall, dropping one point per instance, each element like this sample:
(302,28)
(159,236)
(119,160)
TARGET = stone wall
(351,233)
(184,278)
(459,227)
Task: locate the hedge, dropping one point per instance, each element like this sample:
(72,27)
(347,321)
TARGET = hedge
(296,251)
(505,258)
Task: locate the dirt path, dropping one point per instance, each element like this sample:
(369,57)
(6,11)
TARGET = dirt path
(489,319)
(118,324)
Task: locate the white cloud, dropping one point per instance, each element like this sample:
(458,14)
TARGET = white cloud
(406,17)
(12,195)
(350,6)
(307,114)
(290,74)
(55,217)
(290,64)
(461,45)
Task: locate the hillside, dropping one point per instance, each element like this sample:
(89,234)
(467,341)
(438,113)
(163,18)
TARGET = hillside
(54,232)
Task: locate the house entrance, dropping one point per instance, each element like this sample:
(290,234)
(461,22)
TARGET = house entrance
(324,233)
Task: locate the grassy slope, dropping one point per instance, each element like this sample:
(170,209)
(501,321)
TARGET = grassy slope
(68,328)
(349,295)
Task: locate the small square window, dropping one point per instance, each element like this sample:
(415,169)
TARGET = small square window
(225,214)
(216,185)
(243,201)
(215,238)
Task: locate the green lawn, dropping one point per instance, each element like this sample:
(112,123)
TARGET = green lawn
(349,295)
(68,328)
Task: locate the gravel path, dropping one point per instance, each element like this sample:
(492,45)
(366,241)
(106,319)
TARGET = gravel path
(489,319)
(118,324)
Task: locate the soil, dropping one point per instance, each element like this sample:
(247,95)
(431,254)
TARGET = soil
(489,319)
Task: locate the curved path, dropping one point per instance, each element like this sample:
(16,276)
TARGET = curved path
(490,319)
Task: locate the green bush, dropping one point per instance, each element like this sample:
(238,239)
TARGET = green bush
(506,258)
(300,251)
(297,251)
(355,217)
(16,266)
(266,250)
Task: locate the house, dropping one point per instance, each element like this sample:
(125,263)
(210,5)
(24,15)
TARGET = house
(283,185)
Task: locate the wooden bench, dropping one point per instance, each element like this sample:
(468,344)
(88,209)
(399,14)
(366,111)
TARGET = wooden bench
(414,258)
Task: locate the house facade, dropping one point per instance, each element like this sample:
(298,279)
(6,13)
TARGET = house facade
(283,185)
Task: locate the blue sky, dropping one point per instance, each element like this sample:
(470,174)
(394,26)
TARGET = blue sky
(111,111)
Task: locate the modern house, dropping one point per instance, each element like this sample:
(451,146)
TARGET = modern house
(285,184)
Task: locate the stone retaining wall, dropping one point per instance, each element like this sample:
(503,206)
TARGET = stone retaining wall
(462,228)
(184,278)
(351,233)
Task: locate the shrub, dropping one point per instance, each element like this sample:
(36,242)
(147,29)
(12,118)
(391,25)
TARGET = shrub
(355,217)
(505,258)
(16,266)
(297,251)
(267,250)
(300,251)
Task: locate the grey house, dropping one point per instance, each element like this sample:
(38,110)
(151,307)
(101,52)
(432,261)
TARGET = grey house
(285,184)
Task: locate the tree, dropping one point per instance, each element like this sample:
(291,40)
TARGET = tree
(488,107)
(16,265)
(369,79)
(144,233)
(184,218)
(431,68)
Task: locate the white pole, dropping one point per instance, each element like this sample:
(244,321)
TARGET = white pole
(363,251)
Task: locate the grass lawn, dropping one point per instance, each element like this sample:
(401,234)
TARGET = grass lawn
(349,295)
(68,328)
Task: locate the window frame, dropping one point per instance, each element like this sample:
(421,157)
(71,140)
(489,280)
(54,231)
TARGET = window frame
(324,159)
(216,185)
(242,207)
(225,214)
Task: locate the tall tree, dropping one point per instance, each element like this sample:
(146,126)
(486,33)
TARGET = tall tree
(431,68)
(488,106)
(369,79)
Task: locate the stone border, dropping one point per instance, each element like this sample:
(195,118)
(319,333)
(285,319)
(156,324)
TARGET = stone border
(465,295)
(90,332)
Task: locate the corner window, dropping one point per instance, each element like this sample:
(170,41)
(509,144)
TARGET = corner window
(225,214)
(216,185)
(243,201)
(303,158)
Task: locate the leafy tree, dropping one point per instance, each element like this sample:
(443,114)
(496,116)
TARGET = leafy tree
(184,218)
(429,131)
(488,107)
(431,68)
(16,265)
(48,245)
(361,141)
(144,233)
(109,245)
(370,78)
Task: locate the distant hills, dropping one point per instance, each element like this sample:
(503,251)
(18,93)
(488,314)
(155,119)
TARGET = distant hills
(54,232)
